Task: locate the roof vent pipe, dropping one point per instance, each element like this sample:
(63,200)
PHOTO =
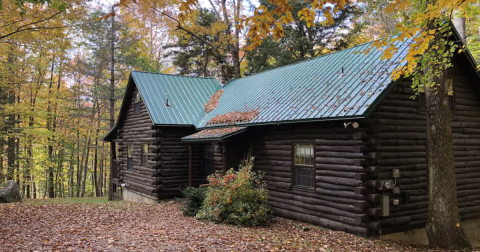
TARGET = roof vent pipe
(167,103)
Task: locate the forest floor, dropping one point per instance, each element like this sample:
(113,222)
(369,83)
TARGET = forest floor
(93,224)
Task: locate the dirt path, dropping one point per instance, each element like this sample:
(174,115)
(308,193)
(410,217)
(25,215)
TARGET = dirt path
(122,226)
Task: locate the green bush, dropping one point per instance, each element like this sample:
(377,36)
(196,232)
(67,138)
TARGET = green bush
(194,200)
(238,197)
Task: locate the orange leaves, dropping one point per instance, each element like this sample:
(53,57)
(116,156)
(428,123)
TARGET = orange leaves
(111,14)
(214,133)
(213,102)
(266,22)
(234,117)
(308,15)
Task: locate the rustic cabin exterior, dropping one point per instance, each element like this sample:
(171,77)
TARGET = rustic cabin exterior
(341,145)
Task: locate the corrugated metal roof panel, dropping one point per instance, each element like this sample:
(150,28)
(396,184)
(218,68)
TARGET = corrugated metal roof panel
(343,84)
(186,96)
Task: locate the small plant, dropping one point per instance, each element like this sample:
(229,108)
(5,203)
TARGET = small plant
(238,197)
(194,200)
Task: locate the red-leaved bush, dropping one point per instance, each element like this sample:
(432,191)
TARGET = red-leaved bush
(238,197)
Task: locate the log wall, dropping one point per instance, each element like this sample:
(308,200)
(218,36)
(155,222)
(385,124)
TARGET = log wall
(173,161)
(341,163)
(136,129)
(402,133)
(168,159)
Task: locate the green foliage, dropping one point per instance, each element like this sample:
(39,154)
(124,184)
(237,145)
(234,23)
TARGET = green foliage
(303,42)
(194,200)
(191,55)
(238,197)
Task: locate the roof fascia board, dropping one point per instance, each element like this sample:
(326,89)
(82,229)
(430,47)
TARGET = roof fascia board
(467,52)
(122,109)
(216,139)
(331,119)
(381,97)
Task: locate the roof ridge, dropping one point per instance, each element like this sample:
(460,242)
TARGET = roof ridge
(300,62)
(176,75)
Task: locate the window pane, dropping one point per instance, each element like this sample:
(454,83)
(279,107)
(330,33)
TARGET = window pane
(144,154)
(209,159)
(130,163)
(450,87)
(305,177)
(130,150)
(138,97)
(136,108)
(303,154)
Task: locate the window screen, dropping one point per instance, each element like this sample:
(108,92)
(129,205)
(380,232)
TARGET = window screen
(209,159)
(137,104)
(304,165)
(130,156)
(144,154)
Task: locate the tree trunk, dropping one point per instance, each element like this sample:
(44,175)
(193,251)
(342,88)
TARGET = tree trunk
(10,121)
(79,170)
(112,103)
(51,189)
(34,188)
(70,174)
(443,223)
(85,168)
(1,166)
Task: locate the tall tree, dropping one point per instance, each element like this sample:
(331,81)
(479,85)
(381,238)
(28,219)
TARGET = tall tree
(301,41)
(192,55)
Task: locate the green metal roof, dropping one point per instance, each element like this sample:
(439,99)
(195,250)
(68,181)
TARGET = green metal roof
(186,96)
(214,134)
(340,85)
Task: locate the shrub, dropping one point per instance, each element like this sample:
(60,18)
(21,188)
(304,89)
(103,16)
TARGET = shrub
(194,200)
(238,197)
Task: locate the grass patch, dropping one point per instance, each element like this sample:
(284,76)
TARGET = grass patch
(85,200)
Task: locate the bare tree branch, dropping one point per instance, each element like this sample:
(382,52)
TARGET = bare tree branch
(22,27)
(179,26)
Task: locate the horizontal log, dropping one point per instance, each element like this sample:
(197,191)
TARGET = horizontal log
(322,222)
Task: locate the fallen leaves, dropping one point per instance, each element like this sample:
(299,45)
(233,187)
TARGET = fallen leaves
(213,102)
(234,117)
(213,133)
(124,226)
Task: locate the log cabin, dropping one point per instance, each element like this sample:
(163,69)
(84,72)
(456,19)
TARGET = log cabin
(342,146)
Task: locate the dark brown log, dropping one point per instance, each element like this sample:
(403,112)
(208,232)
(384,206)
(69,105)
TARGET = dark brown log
(322,222)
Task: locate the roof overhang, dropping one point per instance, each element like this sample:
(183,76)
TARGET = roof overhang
(214,135)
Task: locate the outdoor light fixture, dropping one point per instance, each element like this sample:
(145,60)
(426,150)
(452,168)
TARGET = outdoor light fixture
(353,124)
(387,184)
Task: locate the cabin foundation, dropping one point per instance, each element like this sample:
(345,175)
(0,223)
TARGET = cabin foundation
(133,196)
(419,236)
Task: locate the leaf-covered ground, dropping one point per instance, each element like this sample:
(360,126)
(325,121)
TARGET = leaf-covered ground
(123,226)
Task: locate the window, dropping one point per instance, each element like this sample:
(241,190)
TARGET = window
(209,159)
(422,99)
(304,166)
(130,156)
(144,154)
(138,99)
(117,189)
